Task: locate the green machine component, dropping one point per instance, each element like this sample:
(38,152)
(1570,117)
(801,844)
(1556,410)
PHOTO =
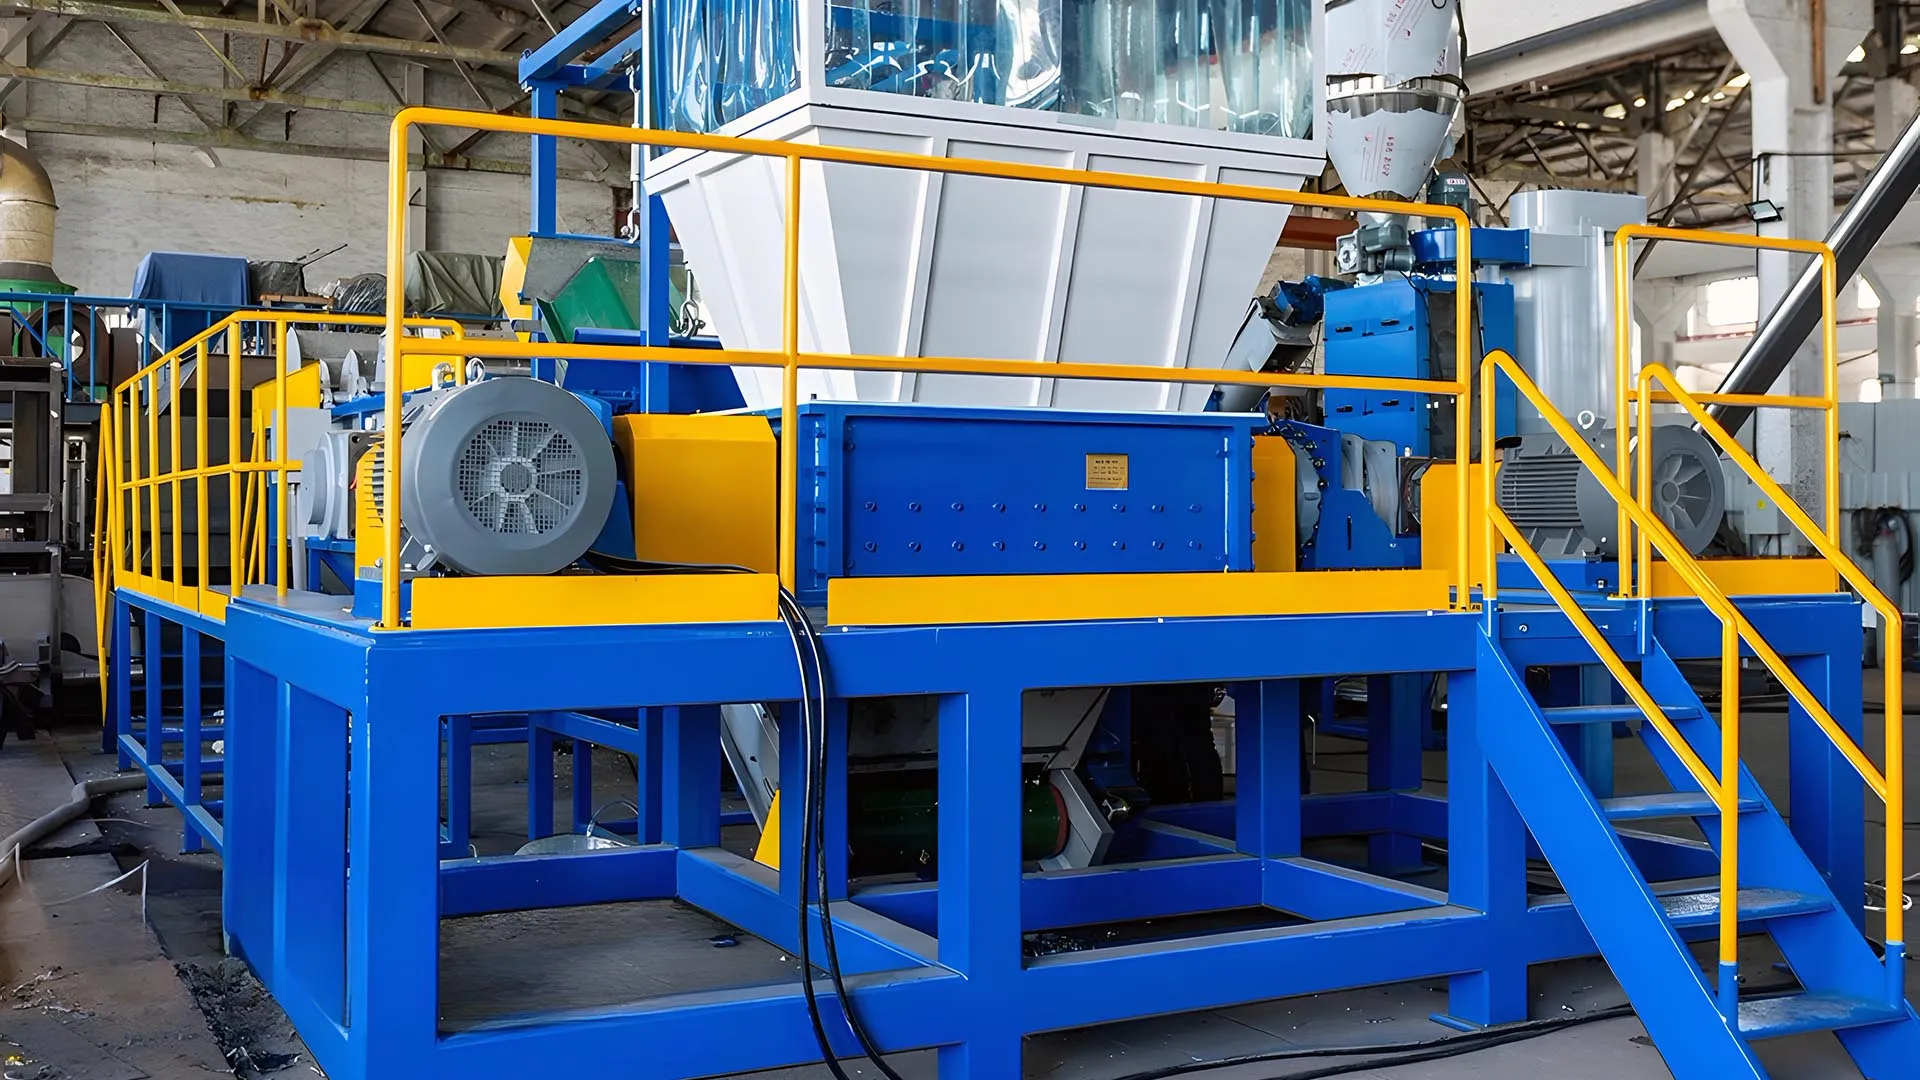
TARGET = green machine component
(893,822)
(604,294)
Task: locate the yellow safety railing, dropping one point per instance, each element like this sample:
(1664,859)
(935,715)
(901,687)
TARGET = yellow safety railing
(1657,383)
(1735,629)
(142,549)
(103,556)
(1636,579)
(792,359)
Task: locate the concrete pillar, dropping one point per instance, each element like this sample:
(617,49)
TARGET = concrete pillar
(413,87)
(1894,273)
(1654,161)
(1894,103)
(1772,40)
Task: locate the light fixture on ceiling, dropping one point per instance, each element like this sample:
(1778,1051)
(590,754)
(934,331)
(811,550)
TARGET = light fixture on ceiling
(206,157)
(1765,211)
(1910,48)
(1858,54)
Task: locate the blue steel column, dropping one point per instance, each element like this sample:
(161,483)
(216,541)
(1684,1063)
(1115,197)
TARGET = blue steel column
(310,847)
(545,163)
(153,656)
(247,870)
(459,749)
(689,792)
(583,804)
(121,658)
(979,920)
(793,803)
(1266,725)
(539,780)
(833,833)
(650,772)
(1486,860)
(190,709)
(1826,798)
(393,904)
(1394,720)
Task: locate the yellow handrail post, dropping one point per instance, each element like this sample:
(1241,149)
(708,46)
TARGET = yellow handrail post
(153,477)
(1643,474)
(175,474)
(136,555)
(1463,409)
(236,561)
(1630,583)
(1729,817)
(105,531)
(396,358)
(278,532)
(1830,378)
(202,519)
(1489,459)
(790,385)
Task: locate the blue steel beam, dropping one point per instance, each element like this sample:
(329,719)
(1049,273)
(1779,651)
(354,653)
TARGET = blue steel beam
(526,883)
(543,63)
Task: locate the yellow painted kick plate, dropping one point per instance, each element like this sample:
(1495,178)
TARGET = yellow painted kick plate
(1754,577)
(593,600)
(925,601)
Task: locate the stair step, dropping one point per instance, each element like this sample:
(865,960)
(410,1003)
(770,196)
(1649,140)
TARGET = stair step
(1768,1018)
(1671,804)
(1702,907)
(1610,714)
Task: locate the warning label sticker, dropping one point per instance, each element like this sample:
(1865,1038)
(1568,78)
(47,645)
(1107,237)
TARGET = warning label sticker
(1106,472)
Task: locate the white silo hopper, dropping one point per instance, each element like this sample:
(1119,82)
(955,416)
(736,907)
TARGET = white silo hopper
(914,264)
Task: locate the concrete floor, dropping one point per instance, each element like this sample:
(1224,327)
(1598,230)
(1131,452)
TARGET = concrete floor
(116,998)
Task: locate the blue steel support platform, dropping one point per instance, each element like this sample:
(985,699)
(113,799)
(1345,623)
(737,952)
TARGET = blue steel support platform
(335,743)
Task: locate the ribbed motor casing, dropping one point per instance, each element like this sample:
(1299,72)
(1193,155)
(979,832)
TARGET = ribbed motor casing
(1541,492)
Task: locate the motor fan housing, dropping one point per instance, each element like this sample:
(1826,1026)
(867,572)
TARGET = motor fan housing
(504,476)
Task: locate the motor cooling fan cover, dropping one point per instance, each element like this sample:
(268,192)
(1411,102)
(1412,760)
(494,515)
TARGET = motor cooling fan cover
(506,476)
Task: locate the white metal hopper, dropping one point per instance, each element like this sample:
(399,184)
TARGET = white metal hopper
(913,264)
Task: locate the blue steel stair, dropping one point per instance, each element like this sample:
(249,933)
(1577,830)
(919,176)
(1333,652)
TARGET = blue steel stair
(1637,924)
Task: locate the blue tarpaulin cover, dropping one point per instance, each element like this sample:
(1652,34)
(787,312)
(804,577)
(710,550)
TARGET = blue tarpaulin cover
(207,287)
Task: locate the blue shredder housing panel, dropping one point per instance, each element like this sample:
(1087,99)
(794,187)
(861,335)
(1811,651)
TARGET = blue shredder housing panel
(915,491)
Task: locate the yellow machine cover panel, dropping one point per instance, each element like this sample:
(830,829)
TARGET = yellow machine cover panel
(703,488)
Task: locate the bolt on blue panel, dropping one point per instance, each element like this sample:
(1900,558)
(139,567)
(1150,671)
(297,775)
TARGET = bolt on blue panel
(908,490)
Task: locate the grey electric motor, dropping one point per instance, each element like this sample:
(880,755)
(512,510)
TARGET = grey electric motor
(1561,507)
(503,476)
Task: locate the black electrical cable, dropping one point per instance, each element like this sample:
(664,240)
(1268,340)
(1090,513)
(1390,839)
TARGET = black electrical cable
(796,616)
(1414,1052)
(813,827)
(805,945)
